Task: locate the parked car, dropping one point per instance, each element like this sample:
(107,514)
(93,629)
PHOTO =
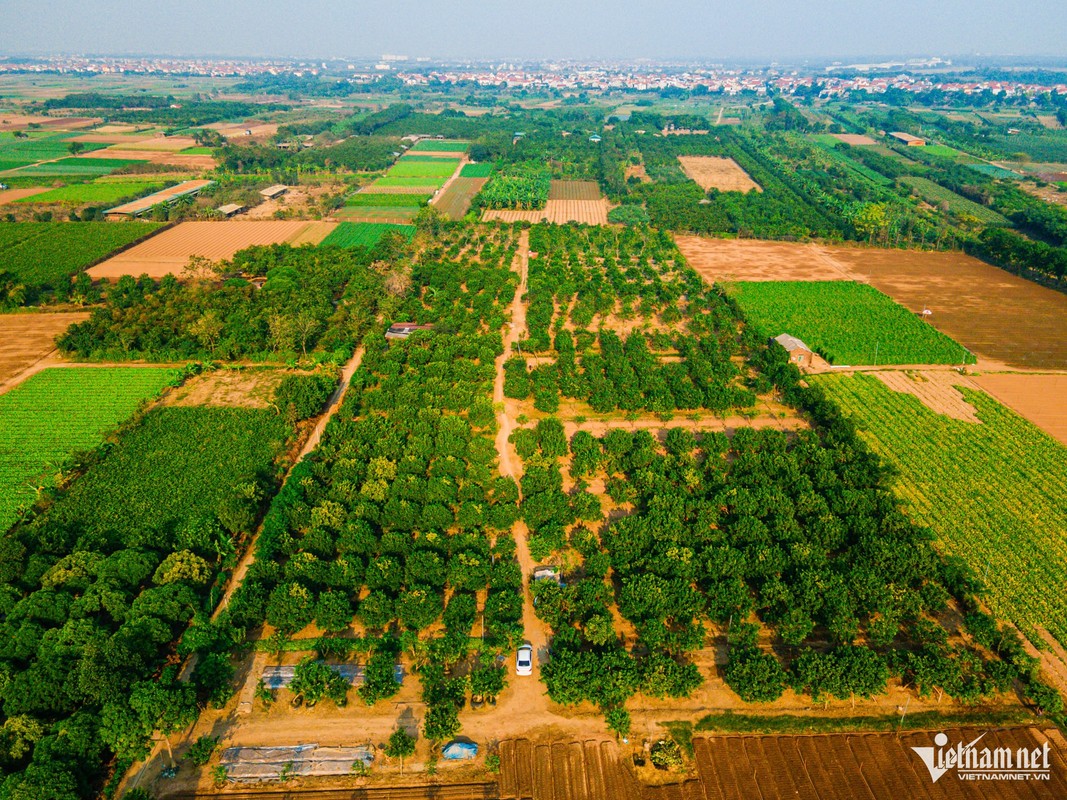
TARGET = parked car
(524,660)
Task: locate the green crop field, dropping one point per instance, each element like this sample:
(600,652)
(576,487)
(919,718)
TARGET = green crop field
(440,146)
(107,193)
(483,170)
(38,148)
(992,492)
(173,469)
(414,167)
(45,253)
(393,214)
(851,163)
(58,412)
(365,234)
(846,322)
(936,194)
(417,182)
(993,171)
(386,200)
(78,166)
(196,151)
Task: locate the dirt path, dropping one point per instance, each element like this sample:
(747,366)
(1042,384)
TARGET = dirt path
(136,771)
(312,442)
(530,688)
(437,195)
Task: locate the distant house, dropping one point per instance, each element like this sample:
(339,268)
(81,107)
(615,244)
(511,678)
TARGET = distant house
(799,353)
(230,209)
(595,138)
(402,330)
(908,139)
(272,192)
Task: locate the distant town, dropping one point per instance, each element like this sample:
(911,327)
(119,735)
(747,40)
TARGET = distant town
(827,80)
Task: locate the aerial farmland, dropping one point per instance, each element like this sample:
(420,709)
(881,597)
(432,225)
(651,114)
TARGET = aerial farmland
(407,435)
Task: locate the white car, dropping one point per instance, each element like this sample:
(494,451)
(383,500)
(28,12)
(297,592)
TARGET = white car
(524,660)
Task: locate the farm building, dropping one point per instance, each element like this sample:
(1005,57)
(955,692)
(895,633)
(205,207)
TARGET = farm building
(230,209)
(166,196)
(799,353)
(402,330)
(908,139)
(271,192)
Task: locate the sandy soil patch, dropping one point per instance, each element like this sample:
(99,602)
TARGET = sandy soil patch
(723,174)
(187,160)
(1042,399)
(1050,194)
(1050,122)
(854,139)
(11,195)
(938,391)
(169,252)
(27,338)
(11,122)
(244,388)
(723,260)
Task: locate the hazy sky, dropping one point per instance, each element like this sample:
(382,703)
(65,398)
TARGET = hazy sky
(536,28)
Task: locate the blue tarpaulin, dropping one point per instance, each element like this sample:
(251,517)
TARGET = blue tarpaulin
(459,751)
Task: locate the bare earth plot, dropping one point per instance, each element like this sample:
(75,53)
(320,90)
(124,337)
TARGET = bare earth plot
(11,195)
(568,201)
(27,338)
(989,311)
(724,174)
(874,766)
(1004,319)
(455,201)
(854,139)
(1042,399)
(245,388)
(725,260)
(168,252)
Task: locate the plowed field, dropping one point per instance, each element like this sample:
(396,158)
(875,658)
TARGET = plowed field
(863,766)
(455,201)
(1042,399)
(723,174)
(27,338)
(170,251)
(565,771)
(574,190)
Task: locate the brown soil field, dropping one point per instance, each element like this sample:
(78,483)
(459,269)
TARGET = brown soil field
(169,252)
(989,311)
(11,122)
(591,212)
(233,130)
(719,260)
(1042,399)
(107,138)
(11,195)
(723,174)
(592,770)
(455,201)
(169,143)
(854,139)
(1050,122)
(187,160)
(937,389)
(1049,194)
(313,233)
(999,316)
(574,190)
(27,338)
(864,766)
(244,388)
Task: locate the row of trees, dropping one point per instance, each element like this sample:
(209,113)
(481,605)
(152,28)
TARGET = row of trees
(399,520)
